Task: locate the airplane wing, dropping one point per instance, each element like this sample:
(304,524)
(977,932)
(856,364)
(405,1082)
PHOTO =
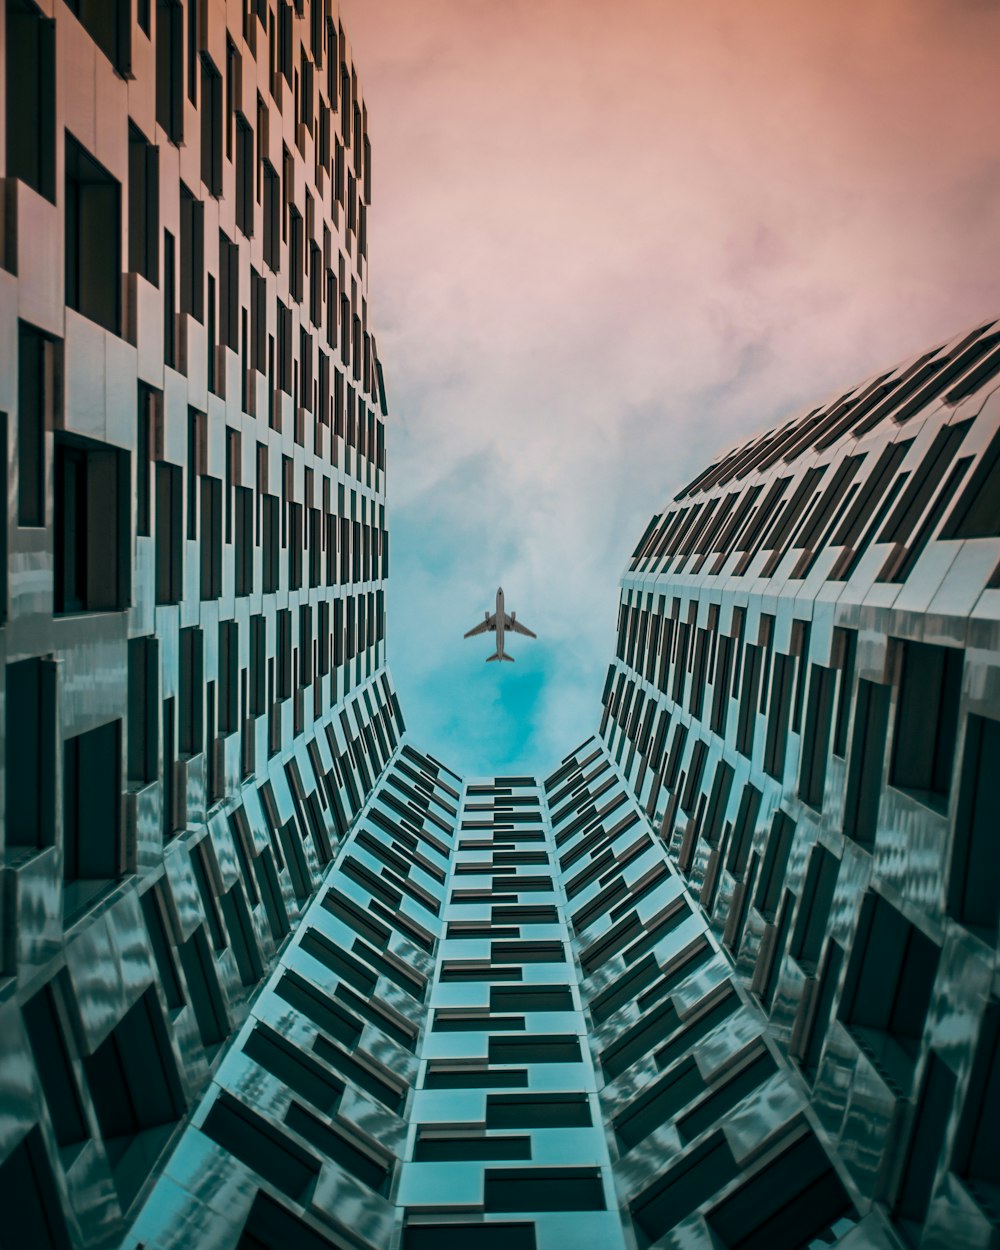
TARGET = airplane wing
(483,627)
(509,622)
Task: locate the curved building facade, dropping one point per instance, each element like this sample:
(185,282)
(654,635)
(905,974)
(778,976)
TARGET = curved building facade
(196,704)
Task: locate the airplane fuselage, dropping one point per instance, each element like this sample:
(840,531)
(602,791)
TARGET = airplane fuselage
(500,620)
(499,623)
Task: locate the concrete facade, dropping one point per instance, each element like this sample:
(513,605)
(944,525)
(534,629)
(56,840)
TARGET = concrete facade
(195,698)
(805,701)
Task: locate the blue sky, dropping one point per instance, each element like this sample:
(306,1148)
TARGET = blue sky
(608,240)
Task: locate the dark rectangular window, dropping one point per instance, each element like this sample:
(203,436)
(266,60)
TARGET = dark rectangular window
(234,90)
(846,647)
(284,624)
(34,1205)
(258,321)
(323,380)
(976,1158)
(887,991)
(332,306)
(864,772)
(108,24)
(211,538)
(543,1189)
(245,196)
(743,831)
(726,1095)
(816,737)
(296,256)
(270,523)
(272,218)
(93,238)
(169,534)
(169,763)
(453,1236)
(31,736)
(536,1049)
(229,671)
(772,876)
(977,513)
(875,498)
(930,691)
(797,1190)
(214,375)
(827,983)
(295,1068)
(92,849)
(264,1148)
(284,348)
(659,1103)
(229,293)
(443,1145)
(92,489)
(202,979)
(315,285)
(169,301)
(136,1091)
(639,1039)
(684,1186)
(143,206)
(48,1025)
(37,372)
(234,474)
(720,688)
(926,478)
(192,50)
(154,914)
(546,1110)
(195,443)
(779,715)
(192,255)
(357,1154)
(170,68)
(191,691)
(258,665)
(211,127)
(305,371)
(31,97)
(285,40)
(974,882)
(753,663)
(930,1129)
(814,909)
(143,706)
(244,540)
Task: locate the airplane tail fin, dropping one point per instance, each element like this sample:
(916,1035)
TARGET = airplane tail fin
(508,657)
(497,656)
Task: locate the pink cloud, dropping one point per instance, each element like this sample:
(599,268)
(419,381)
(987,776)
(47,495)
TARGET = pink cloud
(608,239)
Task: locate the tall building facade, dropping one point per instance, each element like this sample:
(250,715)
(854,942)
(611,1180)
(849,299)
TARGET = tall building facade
(806,701)
(275,977)
(195,697)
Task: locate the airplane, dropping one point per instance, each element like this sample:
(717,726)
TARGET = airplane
(499,622)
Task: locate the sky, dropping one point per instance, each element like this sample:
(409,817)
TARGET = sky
(609,239)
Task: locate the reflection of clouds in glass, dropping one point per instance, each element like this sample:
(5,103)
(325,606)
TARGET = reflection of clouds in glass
(604,248)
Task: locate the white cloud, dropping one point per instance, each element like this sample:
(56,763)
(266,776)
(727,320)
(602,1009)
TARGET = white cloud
(600,251)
